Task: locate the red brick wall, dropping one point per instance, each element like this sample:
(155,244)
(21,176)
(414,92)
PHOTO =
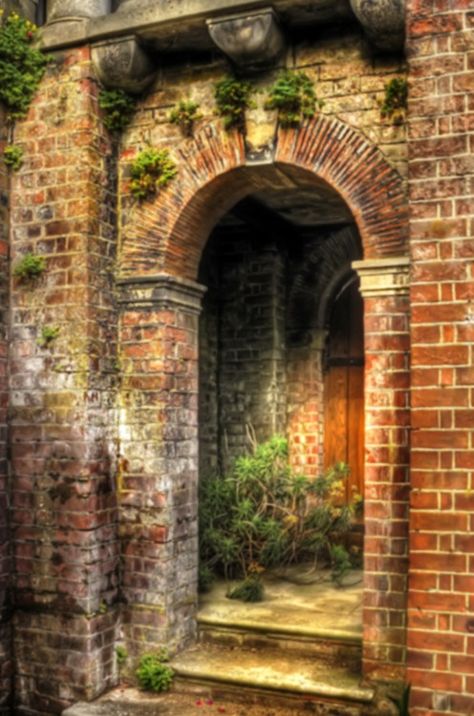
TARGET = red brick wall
(5,562)
(63,453)
(441,169)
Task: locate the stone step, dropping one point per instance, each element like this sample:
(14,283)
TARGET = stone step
(338,647)
(271,677)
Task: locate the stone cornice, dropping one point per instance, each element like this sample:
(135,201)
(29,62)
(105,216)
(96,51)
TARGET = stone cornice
(383,277)
(160,291)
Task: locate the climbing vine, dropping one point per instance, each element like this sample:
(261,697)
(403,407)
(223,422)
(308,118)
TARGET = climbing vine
(233,97)
(21,65)
(151,170)
(294,97)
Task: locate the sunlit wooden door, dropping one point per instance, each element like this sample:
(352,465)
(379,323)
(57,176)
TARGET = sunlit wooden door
(344,387)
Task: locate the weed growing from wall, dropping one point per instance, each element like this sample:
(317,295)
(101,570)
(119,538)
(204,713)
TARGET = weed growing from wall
(294,97)
(151,170)
(118,108)
(396,99)
(185,114)
(48,335)
(21,65)
(233,97)
(29,267)
(13,157)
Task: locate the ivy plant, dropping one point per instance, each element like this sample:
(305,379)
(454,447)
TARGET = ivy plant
(261,515)
(118,107)
(233,97)
(13,157)
(21,64)
(396,99)
(153,673)
(151,170)
(29,267)
(185,114)
(294,97)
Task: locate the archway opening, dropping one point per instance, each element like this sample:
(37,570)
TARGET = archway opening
(281,354)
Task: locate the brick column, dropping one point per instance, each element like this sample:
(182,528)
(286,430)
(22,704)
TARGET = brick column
(158,430)
(385,287)
(305,404)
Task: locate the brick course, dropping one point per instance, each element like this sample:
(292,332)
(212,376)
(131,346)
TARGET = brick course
(440,173)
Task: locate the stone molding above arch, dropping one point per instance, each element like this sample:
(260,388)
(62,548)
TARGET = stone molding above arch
(168,234)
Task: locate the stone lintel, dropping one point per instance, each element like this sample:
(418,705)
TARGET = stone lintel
(383,277)
(160,291)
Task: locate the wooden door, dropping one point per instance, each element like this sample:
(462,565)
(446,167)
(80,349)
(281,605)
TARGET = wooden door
(344,387)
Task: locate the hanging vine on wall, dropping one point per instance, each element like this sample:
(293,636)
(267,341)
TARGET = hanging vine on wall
(185,114)
(294,97)
(151,170)
(118,107)
(233,97)
(396,100)
(21,65)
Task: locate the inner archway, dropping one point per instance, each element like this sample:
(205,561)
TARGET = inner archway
(281,295)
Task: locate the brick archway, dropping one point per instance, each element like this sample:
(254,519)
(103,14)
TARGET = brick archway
(162,244)
(168,235)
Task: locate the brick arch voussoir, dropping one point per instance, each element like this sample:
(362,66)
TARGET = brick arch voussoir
(168,235)
(359,172)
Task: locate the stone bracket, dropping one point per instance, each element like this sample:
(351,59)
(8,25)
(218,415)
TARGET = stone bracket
(383,21)
(383,277)
(252,40)
(160,291)
(121,63)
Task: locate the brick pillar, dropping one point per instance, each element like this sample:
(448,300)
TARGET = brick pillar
(440,44)
(305,403)
(159,460)
(384,287)
(64,518)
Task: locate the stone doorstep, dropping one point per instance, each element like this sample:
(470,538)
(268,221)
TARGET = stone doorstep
(269,671)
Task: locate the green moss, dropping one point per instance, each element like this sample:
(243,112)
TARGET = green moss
(294,97)
(233,97)
(185,114)
(21,65)
(118,107)
(151,170)
(122,655)
(29,267)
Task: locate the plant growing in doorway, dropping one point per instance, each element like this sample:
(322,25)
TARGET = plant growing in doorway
(118,108)
(151,170)
(185,114)
(154,673)
(294,97)
(233,97)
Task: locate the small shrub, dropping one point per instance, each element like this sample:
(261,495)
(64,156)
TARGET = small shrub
(233,97)
(261,515)
(153,672)
(118,107)
(151,170)
(29,267)
(13,157)
(185,114)
(294,97)
(206,578)
(250,590)
(396,99)
(21,65)
(48,335)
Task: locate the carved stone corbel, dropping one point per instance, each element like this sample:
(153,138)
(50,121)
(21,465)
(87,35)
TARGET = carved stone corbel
(77,9)
(251,40)
(122,63)
(383,21)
